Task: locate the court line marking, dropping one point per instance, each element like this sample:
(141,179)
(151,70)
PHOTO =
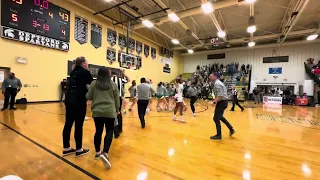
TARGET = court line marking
(53,153)
(304,113)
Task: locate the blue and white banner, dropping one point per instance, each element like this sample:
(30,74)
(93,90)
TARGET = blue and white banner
(275,70)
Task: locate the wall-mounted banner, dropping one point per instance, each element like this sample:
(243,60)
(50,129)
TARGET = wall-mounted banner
(122,41)
(112,37)
(146,50)
(139,62)
(96,35)
(153,53)
(276,70)
(164,52)
(94,69)
(132,45)
(166,68)
(111,55)
(35,39)
(81,30)
(139,47)
(165,60)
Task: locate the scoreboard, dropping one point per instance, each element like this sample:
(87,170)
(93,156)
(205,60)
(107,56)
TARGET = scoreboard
(37,22)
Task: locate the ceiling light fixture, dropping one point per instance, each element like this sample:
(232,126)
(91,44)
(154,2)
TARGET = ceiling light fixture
(173,17)
(221,34)
(250,1)
(207,8)
(107,1)
(175,41)
(147,23)
(251,44)
(190,51)
(252,29)
(312,37)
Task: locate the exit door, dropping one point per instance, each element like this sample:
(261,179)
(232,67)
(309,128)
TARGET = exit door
(3,75)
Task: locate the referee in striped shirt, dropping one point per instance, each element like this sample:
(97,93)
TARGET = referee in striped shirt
(235,100)
(120,82)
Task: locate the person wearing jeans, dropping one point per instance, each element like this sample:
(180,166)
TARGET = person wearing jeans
(144,92)
(76,107)
(221,103)
(104,95)
(192,93)
(256,96)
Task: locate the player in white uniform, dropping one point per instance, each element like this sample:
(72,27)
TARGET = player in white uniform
(179,102)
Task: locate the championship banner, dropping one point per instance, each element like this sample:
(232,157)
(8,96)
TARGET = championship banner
(166,68)
(146,50)
(139,47)
(111,55)
(17,35)
(153,53)
(272,100)
(132,45)
(122,41)
(139,62)
(81,30)
(96,35)
(111,37)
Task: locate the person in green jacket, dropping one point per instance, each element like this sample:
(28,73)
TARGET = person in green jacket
(104,95)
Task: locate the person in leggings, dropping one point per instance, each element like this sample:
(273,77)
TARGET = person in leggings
(76,106)
(104,95)
(192,93)
(179,103)
(221,103)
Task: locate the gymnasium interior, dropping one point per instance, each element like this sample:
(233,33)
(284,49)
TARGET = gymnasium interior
(268,51)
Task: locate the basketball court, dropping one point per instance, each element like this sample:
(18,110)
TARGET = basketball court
(269,143)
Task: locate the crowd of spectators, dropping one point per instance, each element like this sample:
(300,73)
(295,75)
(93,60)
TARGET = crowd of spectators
(315,68)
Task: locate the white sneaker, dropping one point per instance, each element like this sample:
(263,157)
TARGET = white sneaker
(105,161)
(174,118)
(182,120)
(148,110)
(194,114)
(86,118)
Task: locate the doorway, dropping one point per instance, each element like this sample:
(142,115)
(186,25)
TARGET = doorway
(3,75)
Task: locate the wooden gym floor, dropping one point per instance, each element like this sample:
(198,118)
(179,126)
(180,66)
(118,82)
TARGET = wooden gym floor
(270,143)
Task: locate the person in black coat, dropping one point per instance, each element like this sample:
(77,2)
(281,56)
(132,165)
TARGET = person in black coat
(76,106)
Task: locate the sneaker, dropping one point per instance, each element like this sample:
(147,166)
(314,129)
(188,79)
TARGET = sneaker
(82,153)
(143,126)
(66,153)
(13,108)
(232,132)
(86,118)
(216,137)
(194,114)
(148,110)
(97,155)
(182,120)
(174,118)
(242,110)
(231,110)
(3,109)
(104,158)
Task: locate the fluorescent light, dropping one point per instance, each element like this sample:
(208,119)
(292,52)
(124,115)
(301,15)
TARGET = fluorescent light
(252,29)
(221,34)
(175,41)
(251,44)
(107,0)
(173,17)
(147,23)
(250,1)
(190,51)
(207,7)
(312,37)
